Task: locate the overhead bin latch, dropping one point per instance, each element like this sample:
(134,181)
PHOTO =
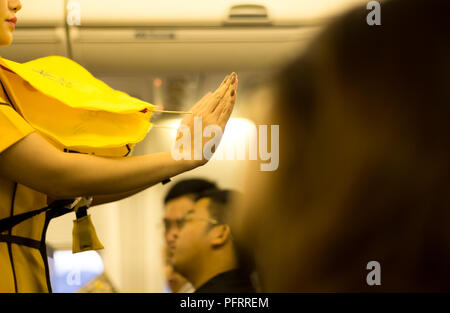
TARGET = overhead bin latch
(248,14)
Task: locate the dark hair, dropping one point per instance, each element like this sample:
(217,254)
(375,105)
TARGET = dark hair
(220,208)
(189,187)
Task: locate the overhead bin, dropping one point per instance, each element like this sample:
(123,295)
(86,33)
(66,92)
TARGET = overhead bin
(143,36)
(196,35)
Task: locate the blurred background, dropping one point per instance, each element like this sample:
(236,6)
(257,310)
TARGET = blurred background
(169,53)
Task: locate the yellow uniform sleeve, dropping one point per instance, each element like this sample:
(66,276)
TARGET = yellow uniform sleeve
(12,127)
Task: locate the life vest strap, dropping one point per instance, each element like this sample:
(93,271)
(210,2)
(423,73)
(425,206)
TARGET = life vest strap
(21,241)
(11,221)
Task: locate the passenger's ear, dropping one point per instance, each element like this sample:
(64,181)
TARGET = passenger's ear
(220,235)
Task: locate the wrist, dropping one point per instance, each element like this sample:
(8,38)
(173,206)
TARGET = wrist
(187,165)
(192,164)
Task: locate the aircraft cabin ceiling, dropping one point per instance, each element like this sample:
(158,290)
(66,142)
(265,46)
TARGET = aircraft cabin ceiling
(139,36)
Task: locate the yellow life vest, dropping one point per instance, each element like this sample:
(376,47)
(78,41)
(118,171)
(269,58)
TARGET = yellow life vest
(78,112)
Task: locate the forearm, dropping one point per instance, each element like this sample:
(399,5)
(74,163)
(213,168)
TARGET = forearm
(102,199)
(103,176)
(37,164)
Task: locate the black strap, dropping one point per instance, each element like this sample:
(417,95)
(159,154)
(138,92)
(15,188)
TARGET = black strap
(11,221)
(129,150)
(165,181)
(49,215)
(81,212)
(21,241)
(55,209)
(7,96)
(10,252)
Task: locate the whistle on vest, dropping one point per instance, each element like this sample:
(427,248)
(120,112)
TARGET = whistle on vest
(84,234)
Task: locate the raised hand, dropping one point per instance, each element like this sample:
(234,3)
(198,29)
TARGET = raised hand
(212,109)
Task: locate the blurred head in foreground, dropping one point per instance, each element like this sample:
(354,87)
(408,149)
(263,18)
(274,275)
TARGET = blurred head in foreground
(364,166)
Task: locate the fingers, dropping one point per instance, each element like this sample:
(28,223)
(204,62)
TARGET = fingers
(220,103)
(225,107)
(201,102)
(226,112)
(221,91)
(225,116)
(225,79)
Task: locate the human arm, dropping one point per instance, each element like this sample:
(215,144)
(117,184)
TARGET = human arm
(103,199)
(37,164)
(34,162)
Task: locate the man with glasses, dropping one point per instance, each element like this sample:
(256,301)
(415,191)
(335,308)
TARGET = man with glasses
(179,200)
(204,251)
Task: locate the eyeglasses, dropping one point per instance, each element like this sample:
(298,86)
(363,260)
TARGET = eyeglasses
(181,222)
